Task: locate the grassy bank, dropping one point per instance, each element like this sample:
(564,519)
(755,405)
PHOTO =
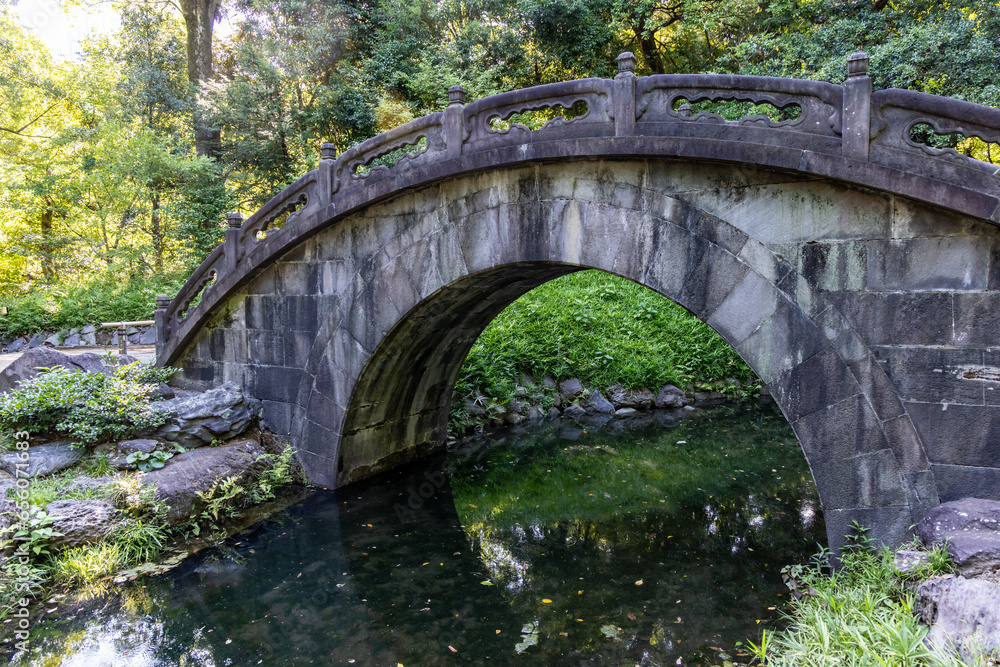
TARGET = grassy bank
(105,298)
(862,614)
(604,330)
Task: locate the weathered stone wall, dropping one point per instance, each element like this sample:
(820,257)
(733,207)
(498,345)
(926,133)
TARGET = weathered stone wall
(867,315)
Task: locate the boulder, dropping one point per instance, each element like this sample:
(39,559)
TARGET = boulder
(534,413)
(548,381)
(148,337)
(597,403)
(970,530)
(669,396)
(570,388)
(908,561)
(81,522)
(72,341)
(197,420)
(26,366)
(143,445)
(42,459)
(640,399)
(89,329)
(574,411)
(36,341)
(178,483)
(964,614)
(553,413)
(625,412)
(16,345)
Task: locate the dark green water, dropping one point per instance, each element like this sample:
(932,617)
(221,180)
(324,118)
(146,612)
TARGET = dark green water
(633,543)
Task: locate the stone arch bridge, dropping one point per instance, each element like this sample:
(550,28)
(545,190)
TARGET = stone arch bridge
(856,271)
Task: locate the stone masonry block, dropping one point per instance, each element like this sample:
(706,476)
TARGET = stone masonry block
(943,263)
(751,302)
(958,434)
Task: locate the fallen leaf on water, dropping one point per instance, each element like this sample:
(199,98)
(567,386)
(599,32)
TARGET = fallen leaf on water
(453,649)
(564,634)
(298,575)
(486,583)
(426,609)
(639,583)
(498,632)
(546,601)
(471,505)
(631,617)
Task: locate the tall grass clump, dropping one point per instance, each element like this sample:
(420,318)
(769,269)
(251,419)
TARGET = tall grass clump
(859,616)
(602,329)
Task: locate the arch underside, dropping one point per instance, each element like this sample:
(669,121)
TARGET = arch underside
(354,339)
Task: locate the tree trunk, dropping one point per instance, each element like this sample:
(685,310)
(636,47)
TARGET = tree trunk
(156,231)
(199,19)
(47,247)
(647,47)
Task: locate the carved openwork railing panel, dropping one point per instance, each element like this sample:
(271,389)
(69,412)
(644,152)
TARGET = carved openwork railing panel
(895,113)
(479,116)
(293,202)
(198,285)
(658,98)
(427,131)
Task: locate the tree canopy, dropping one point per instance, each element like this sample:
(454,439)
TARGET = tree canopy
(123,162)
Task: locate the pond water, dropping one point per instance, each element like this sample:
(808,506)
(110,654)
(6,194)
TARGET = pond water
(650,541)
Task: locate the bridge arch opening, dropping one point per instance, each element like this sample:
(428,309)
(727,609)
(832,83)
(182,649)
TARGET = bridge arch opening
(400,403)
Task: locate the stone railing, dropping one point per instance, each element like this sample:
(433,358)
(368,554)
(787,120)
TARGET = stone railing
(844,132)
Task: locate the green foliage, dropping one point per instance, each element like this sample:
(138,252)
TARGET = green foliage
(35,533)
(66,304)
(45,490)
(148,461)
(88,407)
(279,473)
(138,541)
(602,329)
(135,498)
(862,614)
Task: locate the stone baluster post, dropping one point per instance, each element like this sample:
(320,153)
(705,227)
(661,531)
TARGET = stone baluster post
(327,160)
(624,96)
(857,108)
(162,323)
(232,245)
(453,122)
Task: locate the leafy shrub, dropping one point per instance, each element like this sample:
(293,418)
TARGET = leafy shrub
(88,407)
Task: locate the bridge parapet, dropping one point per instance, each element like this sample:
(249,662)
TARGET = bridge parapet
(844,132)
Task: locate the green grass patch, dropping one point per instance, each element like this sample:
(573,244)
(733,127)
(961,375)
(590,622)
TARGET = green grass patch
(602,329)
